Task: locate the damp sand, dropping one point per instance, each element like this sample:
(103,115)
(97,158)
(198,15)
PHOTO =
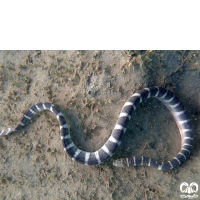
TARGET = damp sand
(90,88)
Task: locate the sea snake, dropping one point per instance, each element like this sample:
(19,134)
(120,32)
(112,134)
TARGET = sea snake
(111,145)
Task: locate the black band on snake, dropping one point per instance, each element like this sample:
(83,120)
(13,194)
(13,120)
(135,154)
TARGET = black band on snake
(108,149)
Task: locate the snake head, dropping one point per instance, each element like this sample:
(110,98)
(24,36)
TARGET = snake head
(118,163)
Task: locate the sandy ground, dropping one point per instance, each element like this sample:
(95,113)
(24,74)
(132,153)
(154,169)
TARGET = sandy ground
(90,88)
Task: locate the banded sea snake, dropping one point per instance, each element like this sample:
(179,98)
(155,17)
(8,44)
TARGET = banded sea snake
(108,149)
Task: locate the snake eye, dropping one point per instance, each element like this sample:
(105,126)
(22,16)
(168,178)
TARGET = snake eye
(89,92)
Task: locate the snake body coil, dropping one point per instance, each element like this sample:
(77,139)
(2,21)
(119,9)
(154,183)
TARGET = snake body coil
(108,149)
